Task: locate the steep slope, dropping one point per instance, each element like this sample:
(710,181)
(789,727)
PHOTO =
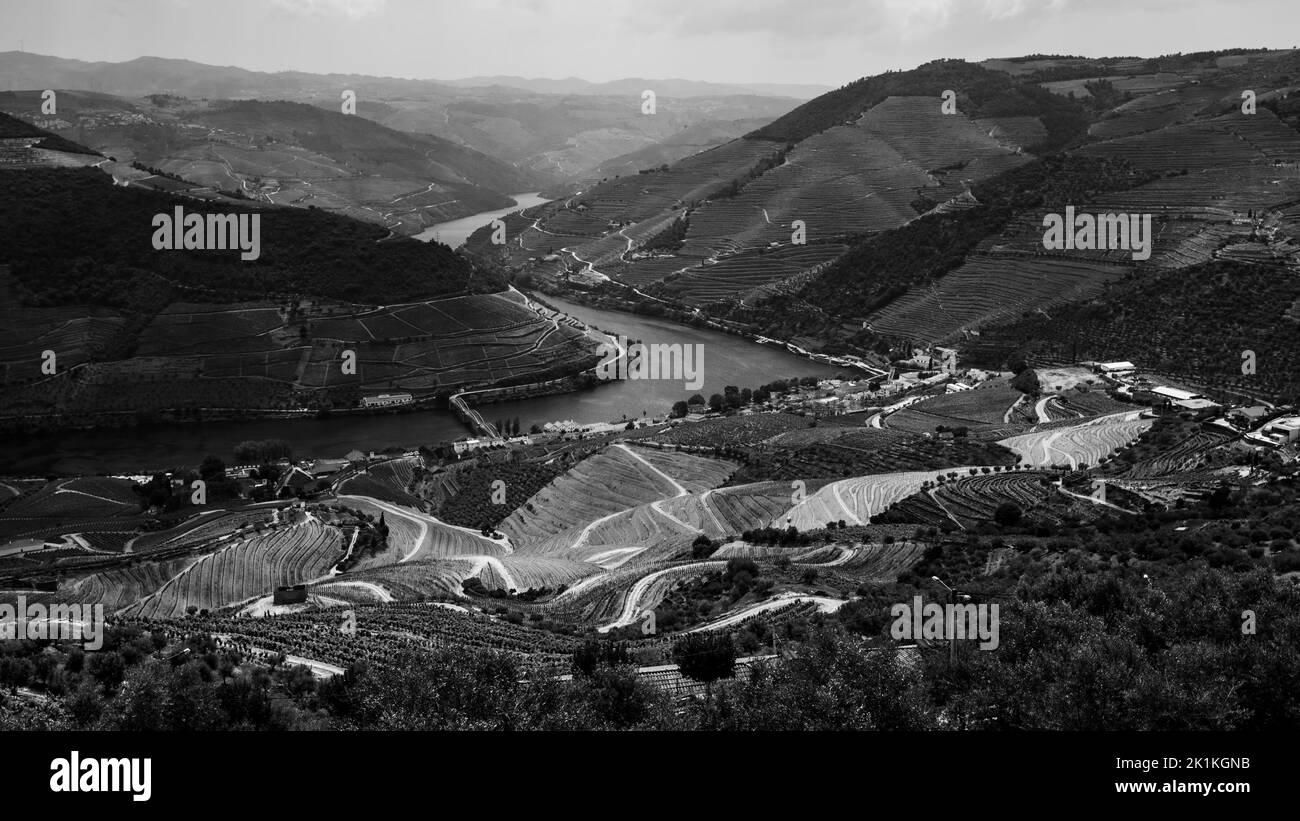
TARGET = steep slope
(287,153)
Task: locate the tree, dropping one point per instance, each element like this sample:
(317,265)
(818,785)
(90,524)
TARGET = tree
(1026,382)
(705,657)
(702,547)
(680,409)
(1007,514)
(715,402)
(212,468)
(1220,497)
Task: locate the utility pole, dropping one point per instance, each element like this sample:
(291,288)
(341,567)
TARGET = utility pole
(951,626)
(952,633)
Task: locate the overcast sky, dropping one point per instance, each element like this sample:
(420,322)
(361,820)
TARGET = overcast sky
(782,41)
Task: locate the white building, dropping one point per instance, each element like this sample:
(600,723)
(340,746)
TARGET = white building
(1285,429)
(1177,394)
(1116,367)
(385,399)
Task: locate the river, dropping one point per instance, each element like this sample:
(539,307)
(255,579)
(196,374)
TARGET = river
(726,360)
(455,232)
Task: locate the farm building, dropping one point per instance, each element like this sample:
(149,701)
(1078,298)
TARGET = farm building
(296,479)
(1284,430)
(1201,408)
(1248,417)
(1115,367)
(355,456)
(324,467)
(1175,394)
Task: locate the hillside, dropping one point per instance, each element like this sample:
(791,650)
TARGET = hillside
(552,132)
(981,93)
(285,153)
(1175,145)
(1175,322)
(138,331)
(25,144)
(302,250)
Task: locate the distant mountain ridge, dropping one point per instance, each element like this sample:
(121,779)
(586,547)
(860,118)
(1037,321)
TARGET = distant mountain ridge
(635,85)
(562,130)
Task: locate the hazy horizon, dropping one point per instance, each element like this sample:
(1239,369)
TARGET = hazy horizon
(828,43)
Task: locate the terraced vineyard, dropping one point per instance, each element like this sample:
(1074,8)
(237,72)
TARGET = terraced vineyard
(1231,140)
(383,631)
(87,497)
(409,581)
(1180,457)
(1084,444)
(205,527)
(856,500)
(615,480)
(413,535)
(749,430)
(973,500)
(981,410)
(251,567)
(536,572)
(986,289)
(734,275)
(122,587)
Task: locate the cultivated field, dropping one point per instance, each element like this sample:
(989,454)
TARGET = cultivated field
(250,567)
(1084,444)
(855,500)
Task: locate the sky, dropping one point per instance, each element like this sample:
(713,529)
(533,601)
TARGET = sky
(828,42)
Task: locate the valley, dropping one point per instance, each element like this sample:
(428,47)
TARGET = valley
(385,447)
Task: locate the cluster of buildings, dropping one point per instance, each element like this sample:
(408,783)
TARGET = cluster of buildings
(565,431)
(1263,425)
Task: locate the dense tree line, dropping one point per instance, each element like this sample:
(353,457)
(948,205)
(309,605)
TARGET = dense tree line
(671,238)
(86,240)
(981,93)
(1195,321)
(878,269)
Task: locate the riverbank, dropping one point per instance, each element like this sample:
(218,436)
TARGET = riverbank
(729,359)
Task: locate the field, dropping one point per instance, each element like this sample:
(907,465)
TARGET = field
(283,356)
(425,578)
(602,486)
(855,500)
(253,566)
(206,527)
(382,632)
(987,289)
(868,450)
(972,499)
(984,409)
(1231,140)
(75,333)
(744,272)
(82,497)
(412,535)
(734,430)
(1084,444)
